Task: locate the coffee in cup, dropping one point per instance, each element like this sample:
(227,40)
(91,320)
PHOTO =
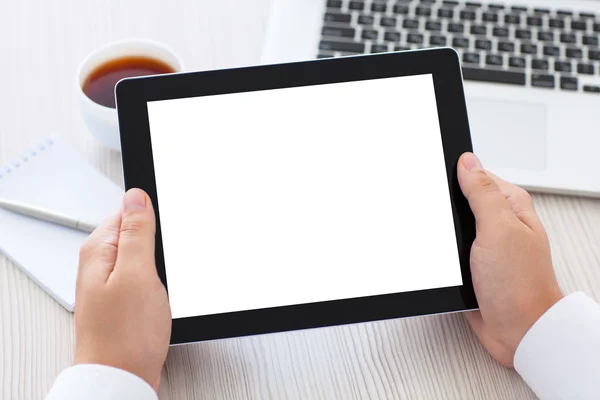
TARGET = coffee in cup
(99,85)
(101,70)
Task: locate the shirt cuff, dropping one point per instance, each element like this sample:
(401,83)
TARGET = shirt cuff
(100,382)
(558,356)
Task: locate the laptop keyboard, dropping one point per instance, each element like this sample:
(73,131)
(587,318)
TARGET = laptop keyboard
(498,43)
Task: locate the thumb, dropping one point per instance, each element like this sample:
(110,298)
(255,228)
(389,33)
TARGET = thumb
(98,254)
(485,198)
(138,226)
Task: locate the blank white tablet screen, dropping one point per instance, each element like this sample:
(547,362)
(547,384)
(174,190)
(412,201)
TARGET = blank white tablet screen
(301,195)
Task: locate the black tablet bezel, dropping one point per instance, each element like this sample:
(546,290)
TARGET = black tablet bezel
(133,94)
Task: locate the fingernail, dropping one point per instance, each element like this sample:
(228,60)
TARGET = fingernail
(134,200)
(471,162)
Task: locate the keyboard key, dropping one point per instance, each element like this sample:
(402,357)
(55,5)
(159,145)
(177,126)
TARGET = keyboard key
(494,76)
(542,81)
(478,30)
(564,13)
(414,38)
(508,47)
(579,25)
(433,26)
(585,15)
(401,48)
(546,36)
(574,53)
(492,59)
(591,89)
(356,5)
(387,21)
(473,4)
(552,51)
(378,6)
(594,55)
(423,11)
(586,69)
(542,11)
(456,28)
(437,40)
(471,58)
(410,24)
(342,46)
(401,9)
(540,64)
(392,36)
(500,32)
(496,7)
(334,3)
(516,62)
(334,17)
(483,44)
(461,43)
(568,38)
(489,17)
(529,48)
(512,19)
(590,40)
(596,27)
(445,13)
(523,34)
(451,3)
(371,34)
(379,48)
(366,20)
(323,55)
(518,9)
(467,15)
(568,83)
(534,21)
(563,66)
(341,32)
(556,23)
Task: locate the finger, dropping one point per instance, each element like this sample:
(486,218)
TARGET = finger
(475,321)
(137,230)
(497,349)
(98,254)
(477,324)
(520,202)
(156,384)
(485,198)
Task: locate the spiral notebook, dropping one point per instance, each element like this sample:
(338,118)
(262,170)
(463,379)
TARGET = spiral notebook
(52,176)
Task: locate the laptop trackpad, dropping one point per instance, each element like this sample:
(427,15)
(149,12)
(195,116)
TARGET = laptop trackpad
(508,134)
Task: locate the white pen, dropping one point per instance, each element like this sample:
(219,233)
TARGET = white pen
(47,215)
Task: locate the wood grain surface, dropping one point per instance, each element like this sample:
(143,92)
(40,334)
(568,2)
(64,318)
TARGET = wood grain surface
(437,357)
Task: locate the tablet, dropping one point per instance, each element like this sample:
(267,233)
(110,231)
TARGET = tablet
(304,195)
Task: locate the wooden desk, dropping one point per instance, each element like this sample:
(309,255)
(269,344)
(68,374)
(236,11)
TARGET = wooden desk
(436,357)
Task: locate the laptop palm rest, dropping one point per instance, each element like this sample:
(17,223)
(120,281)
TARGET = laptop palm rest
(508,134)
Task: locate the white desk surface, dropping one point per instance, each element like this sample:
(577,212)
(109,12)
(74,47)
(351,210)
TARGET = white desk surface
(436,357)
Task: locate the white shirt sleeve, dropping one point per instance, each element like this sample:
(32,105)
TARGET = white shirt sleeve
(559,357)
(99,382)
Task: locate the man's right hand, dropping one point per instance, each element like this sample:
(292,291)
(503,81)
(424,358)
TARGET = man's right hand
(511,265)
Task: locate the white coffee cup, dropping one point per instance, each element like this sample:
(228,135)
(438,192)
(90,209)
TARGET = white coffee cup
(101,120)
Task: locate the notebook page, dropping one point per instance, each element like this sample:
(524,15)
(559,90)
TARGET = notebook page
(54,177)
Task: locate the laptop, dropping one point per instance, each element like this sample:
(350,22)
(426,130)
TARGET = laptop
(531,71)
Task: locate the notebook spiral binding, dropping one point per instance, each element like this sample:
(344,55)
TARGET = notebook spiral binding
(12,166)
